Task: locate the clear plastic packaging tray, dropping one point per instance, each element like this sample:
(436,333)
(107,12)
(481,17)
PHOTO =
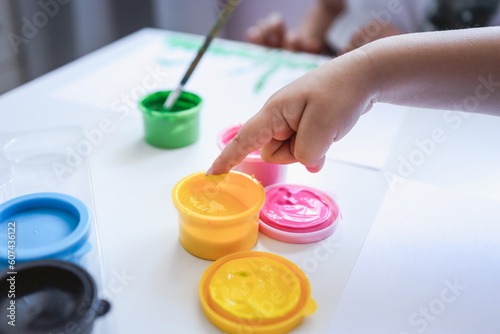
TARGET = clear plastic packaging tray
(55,160)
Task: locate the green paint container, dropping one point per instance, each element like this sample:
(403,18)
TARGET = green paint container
(173,128)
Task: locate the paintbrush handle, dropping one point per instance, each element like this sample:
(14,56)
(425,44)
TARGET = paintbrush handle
(228,8)
(211,35)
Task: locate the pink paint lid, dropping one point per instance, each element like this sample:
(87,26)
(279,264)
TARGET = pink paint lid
(298,214)
(227,134)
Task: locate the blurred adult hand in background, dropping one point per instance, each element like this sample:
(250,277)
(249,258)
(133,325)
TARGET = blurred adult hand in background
(307,37)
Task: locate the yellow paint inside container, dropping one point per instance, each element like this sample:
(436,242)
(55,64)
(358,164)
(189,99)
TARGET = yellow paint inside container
(214,199)
(255,288)
(218,215)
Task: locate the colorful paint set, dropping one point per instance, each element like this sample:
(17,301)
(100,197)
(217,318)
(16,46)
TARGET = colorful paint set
(220,218)
(49,228)
(50,257)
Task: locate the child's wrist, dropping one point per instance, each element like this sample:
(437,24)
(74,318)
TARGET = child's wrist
(374,65)
(364,72)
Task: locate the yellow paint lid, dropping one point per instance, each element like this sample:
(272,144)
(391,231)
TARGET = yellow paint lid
(255,292)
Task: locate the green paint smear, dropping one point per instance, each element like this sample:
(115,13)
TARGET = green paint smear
(269,59)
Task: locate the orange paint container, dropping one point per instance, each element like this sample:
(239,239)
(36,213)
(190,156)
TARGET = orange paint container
(218,214)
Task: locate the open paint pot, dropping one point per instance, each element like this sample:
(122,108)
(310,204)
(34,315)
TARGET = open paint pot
(49,296)
(173,128)
(298,214)
(253,164)
(255,292)
(218,214)
(43,225)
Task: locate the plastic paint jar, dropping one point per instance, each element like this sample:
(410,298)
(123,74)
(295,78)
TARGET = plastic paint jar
(51,296)
(174,128)
(253,164)
(218,214)
(41,226)
(255,292)
(298,214)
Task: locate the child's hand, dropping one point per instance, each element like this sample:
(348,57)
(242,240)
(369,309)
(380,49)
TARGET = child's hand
(271,31)
(453,70)
(302,120)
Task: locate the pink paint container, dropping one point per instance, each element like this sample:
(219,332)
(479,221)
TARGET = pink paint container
(253,164)
(298,214)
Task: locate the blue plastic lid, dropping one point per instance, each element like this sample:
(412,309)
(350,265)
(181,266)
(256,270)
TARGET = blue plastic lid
(43,225)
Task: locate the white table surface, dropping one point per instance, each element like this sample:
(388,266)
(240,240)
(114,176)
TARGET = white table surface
(152,281)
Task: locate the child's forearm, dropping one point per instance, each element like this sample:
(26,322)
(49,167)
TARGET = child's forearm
(458,70)
(319,18)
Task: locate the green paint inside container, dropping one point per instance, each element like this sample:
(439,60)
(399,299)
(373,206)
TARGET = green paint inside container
(173,128)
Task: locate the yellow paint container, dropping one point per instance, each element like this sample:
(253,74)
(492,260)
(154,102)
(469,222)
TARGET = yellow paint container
(218,214)
(255,292)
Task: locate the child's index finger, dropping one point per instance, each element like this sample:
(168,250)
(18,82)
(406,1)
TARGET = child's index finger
(251,137)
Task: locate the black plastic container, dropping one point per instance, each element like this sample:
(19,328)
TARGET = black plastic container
(49,296)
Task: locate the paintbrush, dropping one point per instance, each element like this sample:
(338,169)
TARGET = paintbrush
(226,11)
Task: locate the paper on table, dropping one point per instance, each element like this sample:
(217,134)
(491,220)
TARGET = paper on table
(118,84)
(229,73)
(429,265)
(160,63)
(370,141)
